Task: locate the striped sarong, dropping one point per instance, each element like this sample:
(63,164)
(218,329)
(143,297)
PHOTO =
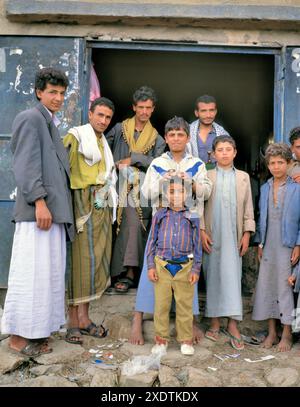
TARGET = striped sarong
(91,250)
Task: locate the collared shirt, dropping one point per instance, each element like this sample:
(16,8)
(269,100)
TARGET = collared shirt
(53,117)
(280,192)
(205,149)
(200,149)
(174,234)
(290,232)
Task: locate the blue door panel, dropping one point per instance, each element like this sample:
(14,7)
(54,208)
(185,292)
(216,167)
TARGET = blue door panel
(291,90)
(20,58)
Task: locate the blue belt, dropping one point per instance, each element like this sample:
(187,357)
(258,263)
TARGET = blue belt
(175,265)
(177,260)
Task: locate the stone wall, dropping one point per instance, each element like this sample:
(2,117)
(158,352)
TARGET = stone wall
(238,32)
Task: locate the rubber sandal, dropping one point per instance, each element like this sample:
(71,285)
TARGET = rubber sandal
(32,350)
(126,282)
(94,330)
(73,336)
(212,334)
(236,343)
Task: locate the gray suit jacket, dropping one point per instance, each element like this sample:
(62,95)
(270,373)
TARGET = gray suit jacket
(41,168)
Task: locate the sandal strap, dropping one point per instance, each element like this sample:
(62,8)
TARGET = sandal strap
(91,326)
(73,332)
(213,331)
(94,330)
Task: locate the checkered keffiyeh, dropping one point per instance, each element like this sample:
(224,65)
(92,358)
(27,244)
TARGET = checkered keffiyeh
(194,130)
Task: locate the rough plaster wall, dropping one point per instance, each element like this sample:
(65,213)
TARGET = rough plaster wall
(234,2)
(122,31)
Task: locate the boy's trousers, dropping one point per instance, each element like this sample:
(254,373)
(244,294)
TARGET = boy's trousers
(183,294)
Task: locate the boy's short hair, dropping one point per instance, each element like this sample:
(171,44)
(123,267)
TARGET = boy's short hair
(171,181)
(205,99)
(144,93)
(186,187)
(52,76)
(102,101)
(278,149)
(176,180)
(294,135)
(223,138)
(177,123)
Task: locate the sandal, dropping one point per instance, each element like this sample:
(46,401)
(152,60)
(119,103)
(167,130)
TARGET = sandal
(126,282)
(73,336)
(212,334)
(33,350)
(236,343)
(94,330)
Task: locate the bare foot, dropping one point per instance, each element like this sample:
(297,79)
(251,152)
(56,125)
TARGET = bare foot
(198,334)
(233,329)
(285,345)
(17,342)
(271,339)
(136,336)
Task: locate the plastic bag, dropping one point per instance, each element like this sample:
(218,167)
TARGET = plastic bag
(142,363)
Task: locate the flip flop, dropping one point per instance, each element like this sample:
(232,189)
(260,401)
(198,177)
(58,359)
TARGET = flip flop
(126,282)
(32,350)
(212,334)
(250,340)
(94,330)
(73,336)
(236,343)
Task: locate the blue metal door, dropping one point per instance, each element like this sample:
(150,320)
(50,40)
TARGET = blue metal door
(291,108)
(20,58)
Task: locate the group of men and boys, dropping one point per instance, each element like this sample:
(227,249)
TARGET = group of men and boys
(76,189)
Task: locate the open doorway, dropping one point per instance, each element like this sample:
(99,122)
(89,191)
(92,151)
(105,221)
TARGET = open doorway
(243,85)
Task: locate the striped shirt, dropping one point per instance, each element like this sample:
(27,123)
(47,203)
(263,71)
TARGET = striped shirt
(174,234)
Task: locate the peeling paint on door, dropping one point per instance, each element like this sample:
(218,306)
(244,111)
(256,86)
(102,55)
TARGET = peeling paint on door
(2,60)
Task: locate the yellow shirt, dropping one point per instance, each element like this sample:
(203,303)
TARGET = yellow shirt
(82,174)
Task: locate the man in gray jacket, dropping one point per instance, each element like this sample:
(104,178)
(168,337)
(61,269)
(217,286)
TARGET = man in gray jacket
(34,305)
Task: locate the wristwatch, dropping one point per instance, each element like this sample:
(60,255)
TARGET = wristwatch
(260,245)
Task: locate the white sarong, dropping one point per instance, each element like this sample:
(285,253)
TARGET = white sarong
(34,304)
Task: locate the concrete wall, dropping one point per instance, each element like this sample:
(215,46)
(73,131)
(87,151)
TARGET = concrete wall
(238,32)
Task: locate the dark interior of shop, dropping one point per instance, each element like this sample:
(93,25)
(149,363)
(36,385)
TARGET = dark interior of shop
(243,85)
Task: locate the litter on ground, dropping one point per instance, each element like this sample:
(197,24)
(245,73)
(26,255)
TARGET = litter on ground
(227,356)
(214,369)
(262,359)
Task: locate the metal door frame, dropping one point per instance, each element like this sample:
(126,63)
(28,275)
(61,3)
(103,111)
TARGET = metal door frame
(279,64)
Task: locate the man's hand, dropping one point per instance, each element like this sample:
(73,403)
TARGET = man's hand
(43,215)
(193,278)
(206,241)
(152,275)
(295,255)
(123,163)
(244,244)
(296,178)
(291,280)
(169,174)
(259,253)
(184,175)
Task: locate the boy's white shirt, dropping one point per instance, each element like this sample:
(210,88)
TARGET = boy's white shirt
(152,182)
